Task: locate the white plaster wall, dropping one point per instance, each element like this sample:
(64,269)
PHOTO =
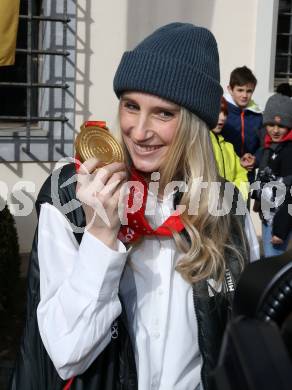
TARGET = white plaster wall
(102,38)
(234,28)
(145,16)
(105,30)
(265,49)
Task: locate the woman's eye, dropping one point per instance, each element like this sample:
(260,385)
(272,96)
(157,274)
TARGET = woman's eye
(131,106)
(166,114)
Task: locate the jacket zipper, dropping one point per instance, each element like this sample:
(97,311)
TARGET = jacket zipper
(199,336)
(223,161)
(242,132)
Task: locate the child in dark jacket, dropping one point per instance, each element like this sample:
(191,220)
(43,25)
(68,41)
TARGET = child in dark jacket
(244,117)
(275,175)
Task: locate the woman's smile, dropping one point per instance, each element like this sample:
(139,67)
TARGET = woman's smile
(146,149)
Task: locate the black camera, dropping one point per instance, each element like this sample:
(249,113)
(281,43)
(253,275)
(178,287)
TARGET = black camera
(264,176)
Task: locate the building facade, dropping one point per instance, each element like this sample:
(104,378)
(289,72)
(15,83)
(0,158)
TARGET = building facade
(246,32)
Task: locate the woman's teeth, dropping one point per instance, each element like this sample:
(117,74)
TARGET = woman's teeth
(147,148)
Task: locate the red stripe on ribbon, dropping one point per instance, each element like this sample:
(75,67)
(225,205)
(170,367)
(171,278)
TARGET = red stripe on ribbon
(69,383)
(95,123)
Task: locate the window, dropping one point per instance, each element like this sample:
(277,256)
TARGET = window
(283,63)
(36,94)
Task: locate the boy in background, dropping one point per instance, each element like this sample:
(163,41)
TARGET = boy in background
(244,117)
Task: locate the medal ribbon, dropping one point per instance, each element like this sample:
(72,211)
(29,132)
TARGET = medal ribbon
(138,225)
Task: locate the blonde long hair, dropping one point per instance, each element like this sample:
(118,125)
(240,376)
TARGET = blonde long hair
(191,157)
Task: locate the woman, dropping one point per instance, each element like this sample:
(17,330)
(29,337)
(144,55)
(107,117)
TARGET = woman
(149,312)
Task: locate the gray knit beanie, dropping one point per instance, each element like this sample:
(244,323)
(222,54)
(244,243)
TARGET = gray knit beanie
(278,111)
(178,62)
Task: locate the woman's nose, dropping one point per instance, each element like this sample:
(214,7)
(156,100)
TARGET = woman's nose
(141,129)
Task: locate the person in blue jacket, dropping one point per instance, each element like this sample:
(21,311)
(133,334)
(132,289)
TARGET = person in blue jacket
(244,117)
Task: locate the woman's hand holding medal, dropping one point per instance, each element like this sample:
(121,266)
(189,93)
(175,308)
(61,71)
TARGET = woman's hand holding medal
(100,179)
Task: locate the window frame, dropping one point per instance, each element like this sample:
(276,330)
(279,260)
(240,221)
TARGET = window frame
(287,75)
(49,135)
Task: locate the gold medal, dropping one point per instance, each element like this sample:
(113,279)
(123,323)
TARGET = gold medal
(95,141)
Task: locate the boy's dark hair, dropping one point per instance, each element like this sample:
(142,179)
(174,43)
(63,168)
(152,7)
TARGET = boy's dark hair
(241,76)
